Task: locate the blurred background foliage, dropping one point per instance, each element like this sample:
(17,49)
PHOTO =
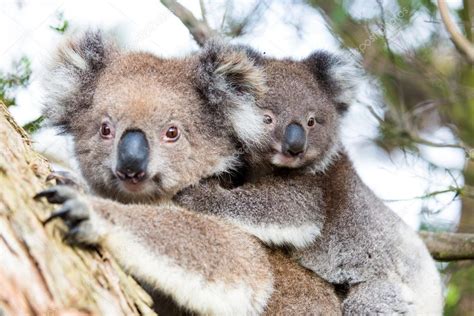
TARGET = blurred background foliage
(20,74)
(18,77)
(427,83)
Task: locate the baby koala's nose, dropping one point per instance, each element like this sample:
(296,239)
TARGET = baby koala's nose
(132,156)
(294,140)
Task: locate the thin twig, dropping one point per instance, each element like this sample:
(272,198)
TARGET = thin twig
(461,42)
(240,28)
(203,11)
(456,190)
(377,117)
(426,142)
(384,31)
(224,16)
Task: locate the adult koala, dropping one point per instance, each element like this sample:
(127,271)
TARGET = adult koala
(302,191)
(144,131)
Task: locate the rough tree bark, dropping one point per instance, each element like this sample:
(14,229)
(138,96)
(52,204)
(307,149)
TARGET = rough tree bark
(39,274)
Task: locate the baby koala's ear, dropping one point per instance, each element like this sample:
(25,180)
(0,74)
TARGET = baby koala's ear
(339,75)
(71,77)
(232,80)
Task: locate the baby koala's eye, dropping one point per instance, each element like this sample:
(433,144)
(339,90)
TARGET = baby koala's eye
(106,131)
(267,119)
(172,134)
(311,121)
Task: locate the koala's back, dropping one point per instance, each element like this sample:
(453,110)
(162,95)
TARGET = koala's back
(362,240)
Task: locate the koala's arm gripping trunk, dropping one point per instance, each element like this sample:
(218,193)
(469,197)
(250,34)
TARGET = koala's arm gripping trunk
(280,211)
(39,274)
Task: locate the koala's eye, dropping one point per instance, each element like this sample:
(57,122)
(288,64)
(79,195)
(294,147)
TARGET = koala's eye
(267,119)
(172,134)
(311,122)
(106,131)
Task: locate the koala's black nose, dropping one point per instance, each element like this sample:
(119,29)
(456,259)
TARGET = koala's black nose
(133,154)
(294,140)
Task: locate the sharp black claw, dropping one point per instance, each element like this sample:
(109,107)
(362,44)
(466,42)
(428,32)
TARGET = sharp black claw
(59,213)
(51,176)
(52,196)
(45,193)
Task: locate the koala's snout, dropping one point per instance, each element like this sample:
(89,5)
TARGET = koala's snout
(132,156)
(294,140)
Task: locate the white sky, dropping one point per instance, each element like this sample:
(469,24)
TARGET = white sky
(147,25)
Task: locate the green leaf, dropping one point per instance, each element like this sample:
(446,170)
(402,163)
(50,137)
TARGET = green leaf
(10,82)
(33,126)
(62,25)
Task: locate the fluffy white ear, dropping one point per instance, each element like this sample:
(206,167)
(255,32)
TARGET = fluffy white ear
(339,75)
(231,80)
(71,76)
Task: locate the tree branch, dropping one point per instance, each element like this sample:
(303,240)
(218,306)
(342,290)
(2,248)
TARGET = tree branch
(199,29)
(461,42)
(449,246)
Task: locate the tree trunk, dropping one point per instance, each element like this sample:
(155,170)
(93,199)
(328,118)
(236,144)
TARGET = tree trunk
(39,274)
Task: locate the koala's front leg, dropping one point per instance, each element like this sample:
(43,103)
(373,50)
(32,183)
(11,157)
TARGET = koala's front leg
(203,264)
(280,212)
(380,297)
(85,226)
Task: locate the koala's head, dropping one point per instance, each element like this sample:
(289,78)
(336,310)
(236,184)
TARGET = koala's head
(144,127)
(303,107)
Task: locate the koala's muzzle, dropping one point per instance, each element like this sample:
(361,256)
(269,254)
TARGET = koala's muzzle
(132,156)
(294,140)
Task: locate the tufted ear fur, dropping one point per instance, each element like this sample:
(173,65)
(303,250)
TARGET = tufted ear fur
(339,76)
(71,78)
(231,80)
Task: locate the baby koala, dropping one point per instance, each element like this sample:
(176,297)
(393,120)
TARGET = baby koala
(301,190)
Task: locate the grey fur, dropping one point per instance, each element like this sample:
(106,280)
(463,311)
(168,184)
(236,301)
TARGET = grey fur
(362,244)
(72,77)
(204,264)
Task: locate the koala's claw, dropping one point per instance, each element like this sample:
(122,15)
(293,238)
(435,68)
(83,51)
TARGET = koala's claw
(73,210)
(75,213)
(66,178)
(57,194)
(72,213)
(61,213)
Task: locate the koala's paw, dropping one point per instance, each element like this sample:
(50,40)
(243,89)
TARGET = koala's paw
(67,178)
(76,213)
